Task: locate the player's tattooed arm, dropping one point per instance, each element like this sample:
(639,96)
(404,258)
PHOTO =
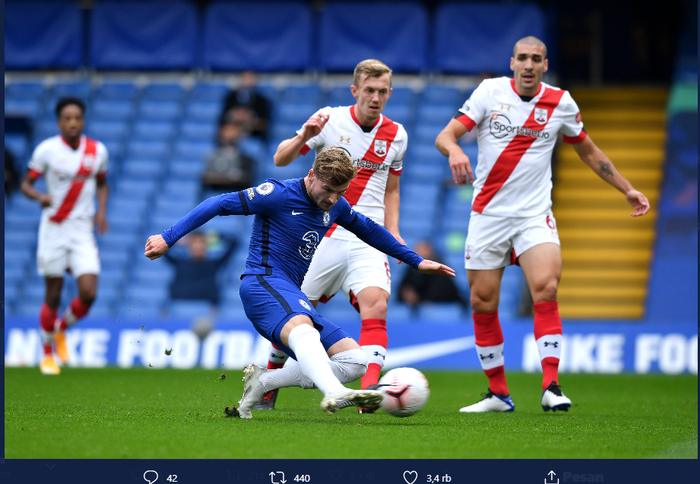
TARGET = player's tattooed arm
(606,169)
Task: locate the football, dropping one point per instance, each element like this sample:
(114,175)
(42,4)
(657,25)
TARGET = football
(405,391)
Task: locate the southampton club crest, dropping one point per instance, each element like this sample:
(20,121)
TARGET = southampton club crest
(380,147)
(541,115)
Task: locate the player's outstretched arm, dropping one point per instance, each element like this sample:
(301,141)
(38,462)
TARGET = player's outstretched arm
(27,187)
(446,143)
(155,247)
(432,267)
(598,161)
(288,150)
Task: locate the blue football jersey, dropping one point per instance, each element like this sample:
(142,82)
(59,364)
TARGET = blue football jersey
(288,227)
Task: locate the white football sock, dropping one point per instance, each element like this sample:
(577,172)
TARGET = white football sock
(347,366)
(305,342)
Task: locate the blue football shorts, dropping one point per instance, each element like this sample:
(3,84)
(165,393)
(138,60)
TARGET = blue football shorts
(270,301)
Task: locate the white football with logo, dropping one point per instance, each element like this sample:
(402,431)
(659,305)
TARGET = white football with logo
(405,391)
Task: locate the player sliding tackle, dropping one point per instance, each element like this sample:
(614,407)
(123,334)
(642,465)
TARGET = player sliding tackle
(291,218)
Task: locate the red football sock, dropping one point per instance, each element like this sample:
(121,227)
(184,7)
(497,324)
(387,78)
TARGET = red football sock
(489,346)
(47,319)
(374,340)
(78,309)
(548,332)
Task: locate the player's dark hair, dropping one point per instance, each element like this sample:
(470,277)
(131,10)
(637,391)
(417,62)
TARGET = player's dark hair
(67,101)
(531,40)
(334,166)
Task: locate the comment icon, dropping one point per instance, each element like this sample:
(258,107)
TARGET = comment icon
(150,476)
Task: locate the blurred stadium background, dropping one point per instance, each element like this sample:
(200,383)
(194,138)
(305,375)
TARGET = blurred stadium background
(154,75)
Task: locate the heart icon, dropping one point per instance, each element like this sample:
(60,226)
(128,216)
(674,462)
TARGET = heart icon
(410,476)
(335,474)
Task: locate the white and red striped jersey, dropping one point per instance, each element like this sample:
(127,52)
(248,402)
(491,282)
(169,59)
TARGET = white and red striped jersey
(377,152)
(70,176)
(516,138)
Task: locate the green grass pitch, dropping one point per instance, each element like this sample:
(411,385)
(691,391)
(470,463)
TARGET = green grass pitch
(145,413)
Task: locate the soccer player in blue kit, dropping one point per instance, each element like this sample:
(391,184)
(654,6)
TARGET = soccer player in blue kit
(291,218)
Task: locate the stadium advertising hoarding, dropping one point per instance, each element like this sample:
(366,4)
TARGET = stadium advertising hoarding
(588,347)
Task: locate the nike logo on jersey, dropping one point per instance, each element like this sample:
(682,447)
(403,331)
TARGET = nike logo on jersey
(294,212)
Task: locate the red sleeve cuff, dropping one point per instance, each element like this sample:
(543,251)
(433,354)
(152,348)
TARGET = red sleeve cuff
(395,172)
(304,149)
(466,121)
(102,176)
(34,174)
(574,140)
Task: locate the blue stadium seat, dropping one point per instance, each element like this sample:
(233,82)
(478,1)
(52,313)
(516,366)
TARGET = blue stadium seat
(17,144)
(163,92)
(198,131)
(15,220)
(170,204)
(117,91)
(32,90)
(135,188)
(126,206)
(145,168)
(398,312)
(426,133)
(295,113)
(401,42)
(189,309)
(112,110)
(154,150)
(193,150)
(80,89)
(418,209)
(441,312)
(159,111)
(129,38)
(146,293)
(209,92)
(283,131)
(30,108)
(181,189)
(340,96)
(185,169)
(232,310)
(445,96)
(301,94)
(42,35)
(113,241)
(441,114)
(103,307)
(18,239)
(458,26)
(153,131)
(207,112)
(402,95)
(401,113)
(107,130)
(235,39)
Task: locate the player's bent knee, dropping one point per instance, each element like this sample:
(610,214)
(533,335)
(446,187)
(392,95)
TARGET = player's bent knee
(350,365)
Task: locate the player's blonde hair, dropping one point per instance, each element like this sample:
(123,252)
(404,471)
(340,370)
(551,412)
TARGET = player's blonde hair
(334,166)
(370,68)
(531,40)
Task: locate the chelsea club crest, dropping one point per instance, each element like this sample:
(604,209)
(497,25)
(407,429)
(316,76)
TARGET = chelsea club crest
(326,218)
